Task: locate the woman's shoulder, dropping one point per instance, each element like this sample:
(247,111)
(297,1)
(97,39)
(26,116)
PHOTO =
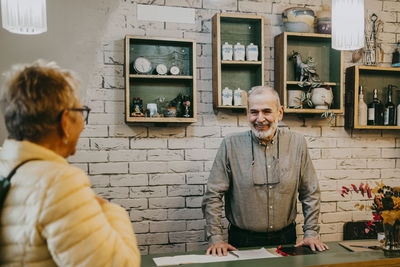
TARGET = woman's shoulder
(50,172)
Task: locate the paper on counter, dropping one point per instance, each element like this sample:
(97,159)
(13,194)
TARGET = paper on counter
(192,258)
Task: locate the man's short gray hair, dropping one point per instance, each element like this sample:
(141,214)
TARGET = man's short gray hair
(259,90)
(33,98)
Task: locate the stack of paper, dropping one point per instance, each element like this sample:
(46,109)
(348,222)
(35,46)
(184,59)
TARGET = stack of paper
(232,256)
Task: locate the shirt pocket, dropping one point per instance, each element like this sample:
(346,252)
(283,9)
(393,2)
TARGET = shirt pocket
(287,182)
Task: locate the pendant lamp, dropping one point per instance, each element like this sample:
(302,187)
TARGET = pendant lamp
(347,24)
(24,16)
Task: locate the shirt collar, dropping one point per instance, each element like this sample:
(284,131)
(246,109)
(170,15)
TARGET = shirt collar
(270,142)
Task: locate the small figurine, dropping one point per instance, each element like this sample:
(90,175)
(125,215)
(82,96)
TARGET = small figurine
(137,107)
(186,103)
(304,71)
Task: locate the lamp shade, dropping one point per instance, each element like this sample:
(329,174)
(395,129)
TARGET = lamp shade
(347,24)
(24,16)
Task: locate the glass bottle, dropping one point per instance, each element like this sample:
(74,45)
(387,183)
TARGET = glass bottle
(396,56)
(375,111)
(362,109)
(390,109)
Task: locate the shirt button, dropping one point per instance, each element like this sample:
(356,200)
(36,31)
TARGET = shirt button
(270,207)
(269,166)
(270,187)
(270,227)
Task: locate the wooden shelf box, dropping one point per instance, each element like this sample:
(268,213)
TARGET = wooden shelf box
(234,28)
(151,86)
(329,67)
(369,78)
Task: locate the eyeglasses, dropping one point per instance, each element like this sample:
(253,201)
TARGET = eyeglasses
(84,110)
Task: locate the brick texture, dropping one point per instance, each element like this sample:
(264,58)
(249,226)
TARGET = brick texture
(158,173)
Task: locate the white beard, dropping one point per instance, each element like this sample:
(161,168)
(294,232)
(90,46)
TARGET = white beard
(265,135)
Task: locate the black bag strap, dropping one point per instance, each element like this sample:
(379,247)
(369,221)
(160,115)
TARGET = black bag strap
(13,171)
(6,183)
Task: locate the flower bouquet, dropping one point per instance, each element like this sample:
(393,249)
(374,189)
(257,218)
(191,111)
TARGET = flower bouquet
(385,208)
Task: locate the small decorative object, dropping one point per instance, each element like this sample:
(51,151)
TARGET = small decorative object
(294,98)
(152,107)
(170,112)
(237,97)
(252,52)
(324,20)
(142,65)
(304,71)
(174,70)
(227,51)
(137,107)
(372,49)
(161,69)
(322,97)
(178,103)
(227,97)
(186,103)
(385,208)
(396,56)
(238,52)
(298,19)
(161,105)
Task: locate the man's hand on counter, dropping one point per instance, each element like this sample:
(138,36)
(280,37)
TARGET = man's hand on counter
(220,249)
(313,243)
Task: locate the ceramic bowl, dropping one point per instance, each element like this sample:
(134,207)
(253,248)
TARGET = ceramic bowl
(298,19)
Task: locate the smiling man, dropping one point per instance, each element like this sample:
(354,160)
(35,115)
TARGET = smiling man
(261,173)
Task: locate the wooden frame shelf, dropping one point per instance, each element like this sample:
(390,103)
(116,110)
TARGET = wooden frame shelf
(233,62)
(369,78)
(149,86)
(145,76)
(329,66)
(233,28)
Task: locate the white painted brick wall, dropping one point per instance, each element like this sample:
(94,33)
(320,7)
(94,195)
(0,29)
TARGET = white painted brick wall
(158,173)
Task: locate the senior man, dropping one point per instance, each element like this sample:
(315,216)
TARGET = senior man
(261,173)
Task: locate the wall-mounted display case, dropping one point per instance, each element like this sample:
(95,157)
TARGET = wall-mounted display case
(328,63)
(370,78)
(160,80)
(233,74)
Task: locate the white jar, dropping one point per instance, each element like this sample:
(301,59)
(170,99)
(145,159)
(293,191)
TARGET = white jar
(237,97)
(227,51)
(227,97)
(251,52)
(238,52)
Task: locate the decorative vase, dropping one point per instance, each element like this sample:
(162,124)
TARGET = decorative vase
(322,97)
(298,19)
(392,239)
(324,21)
(294,98)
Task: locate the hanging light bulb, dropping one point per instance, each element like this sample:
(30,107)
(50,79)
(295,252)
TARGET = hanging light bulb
(347,24)
(24,16)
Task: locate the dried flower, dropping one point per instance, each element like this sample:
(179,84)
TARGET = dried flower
(386,201)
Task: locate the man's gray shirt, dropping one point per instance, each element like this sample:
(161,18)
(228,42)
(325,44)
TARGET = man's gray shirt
(262,196)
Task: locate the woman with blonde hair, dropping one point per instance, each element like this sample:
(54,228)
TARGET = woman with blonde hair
(51,216)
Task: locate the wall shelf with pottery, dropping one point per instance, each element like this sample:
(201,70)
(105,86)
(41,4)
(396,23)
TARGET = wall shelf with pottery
(229,73)
(369,78)
(161,72)
(329,66)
